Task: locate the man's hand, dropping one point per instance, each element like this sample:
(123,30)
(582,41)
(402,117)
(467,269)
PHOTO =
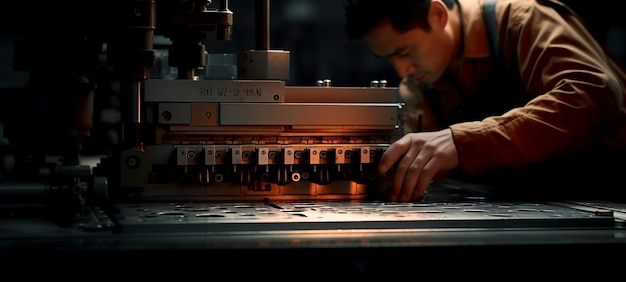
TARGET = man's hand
(421,158)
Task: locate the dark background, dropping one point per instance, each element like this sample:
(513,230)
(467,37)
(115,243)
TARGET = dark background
(311,30)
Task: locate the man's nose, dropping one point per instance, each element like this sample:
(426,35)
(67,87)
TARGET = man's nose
(403,67)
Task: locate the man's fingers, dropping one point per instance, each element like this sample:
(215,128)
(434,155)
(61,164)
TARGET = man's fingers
(413,175)
(395,151)
(419,158)
(401,172)
(427,175)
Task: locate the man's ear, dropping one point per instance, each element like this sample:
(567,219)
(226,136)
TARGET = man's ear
(438,15)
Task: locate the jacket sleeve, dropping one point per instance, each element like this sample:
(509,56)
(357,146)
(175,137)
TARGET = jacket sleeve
(575,95)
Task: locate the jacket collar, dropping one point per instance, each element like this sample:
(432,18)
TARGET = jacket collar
(476,41)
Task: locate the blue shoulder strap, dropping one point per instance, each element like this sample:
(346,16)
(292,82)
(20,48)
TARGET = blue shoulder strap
(492,26)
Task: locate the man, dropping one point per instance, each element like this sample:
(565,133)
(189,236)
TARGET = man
(517,94)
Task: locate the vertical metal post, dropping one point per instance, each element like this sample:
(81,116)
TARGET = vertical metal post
(262,18)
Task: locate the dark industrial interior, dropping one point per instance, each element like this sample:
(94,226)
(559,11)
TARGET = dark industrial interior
(109,142)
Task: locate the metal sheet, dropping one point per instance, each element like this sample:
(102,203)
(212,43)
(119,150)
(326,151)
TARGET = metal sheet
(285,216)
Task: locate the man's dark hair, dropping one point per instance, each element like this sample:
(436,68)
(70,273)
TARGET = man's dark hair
(363,15)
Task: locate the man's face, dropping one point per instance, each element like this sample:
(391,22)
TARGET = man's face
(417,53)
